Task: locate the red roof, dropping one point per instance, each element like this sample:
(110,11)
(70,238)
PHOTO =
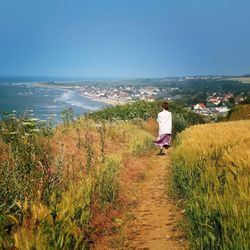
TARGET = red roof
(202,105)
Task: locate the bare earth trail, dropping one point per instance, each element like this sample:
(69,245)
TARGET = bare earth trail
(156,215)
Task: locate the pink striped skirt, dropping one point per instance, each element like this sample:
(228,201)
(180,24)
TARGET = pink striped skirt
(163,140)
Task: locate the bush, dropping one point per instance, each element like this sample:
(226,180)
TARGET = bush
(145,110)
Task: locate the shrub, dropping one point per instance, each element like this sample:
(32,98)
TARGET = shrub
(143,110)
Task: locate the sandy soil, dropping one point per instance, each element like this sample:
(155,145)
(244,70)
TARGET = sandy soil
(105,100)
(156,215)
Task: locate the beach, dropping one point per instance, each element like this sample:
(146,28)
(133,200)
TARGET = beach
(108,101)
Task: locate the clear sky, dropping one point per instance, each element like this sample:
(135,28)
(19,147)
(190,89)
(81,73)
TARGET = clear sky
(124,38)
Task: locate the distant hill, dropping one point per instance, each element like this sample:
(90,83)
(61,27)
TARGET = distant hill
(239,112)
(242,79)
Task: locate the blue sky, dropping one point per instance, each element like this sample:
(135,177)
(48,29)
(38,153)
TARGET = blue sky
(124,38)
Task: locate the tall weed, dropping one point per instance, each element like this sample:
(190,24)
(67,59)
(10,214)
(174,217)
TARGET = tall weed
(63,225)
(107,180)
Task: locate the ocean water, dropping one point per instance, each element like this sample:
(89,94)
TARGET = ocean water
(44,102)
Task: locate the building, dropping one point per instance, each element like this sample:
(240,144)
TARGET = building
(199,106)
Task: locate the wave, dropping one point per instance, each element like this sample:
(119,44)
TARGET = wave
(72,98)
(20,83)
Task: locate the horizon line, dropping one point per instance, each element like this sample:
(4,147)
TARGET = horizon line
(123,78)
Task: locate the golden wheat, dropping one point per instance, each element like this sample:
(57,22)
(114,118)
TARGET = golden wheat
(211,170)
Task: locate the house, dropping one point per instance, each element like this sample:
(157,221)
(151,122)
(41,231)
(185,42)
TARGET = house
(238,99)
(222,109)
(226,97)
(199,106)
(150,99)
(214,100)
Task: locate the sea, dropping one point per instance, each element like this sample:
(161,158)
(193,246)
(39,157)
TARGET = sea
(28,95)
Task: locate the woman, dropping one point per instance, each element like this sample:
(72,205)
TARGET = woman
(164,120)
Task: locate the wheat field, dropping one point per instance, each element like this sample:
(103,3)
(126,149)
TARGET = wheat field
(211,171)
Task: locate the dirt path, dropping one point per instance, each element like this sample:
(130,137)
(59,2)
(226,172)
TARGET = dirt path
(156,215)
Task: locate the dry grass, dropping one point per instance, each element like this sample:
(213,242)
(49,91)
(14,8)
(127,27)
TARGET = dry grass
(239,112)
(91,185)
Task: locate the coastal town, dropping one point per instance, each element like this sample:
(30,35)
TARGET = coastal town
(211,96)
(214,105)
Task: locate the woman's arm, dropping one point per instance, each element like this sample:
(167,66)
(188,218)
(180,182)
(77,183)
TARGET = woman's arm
(158,118)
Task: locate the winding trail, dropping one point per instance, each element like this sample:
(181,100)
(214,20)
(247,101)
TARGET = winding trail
(156,215)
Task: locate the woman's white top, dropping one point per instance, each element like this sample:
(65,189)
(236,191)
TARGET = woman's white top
(165,122)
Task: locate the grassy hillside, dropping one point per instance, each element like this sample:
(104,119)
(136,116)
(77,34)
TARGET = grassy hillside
(62,187)
(54,185)
(211,173)
(142,110)
(239,112)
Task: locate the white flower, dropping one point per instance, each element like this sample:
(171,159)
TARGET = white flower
(26,123)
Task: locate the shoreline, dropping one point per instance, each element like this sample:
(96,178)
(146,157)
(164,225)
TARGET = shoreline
(47,85)
(108,101)
(104,100)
